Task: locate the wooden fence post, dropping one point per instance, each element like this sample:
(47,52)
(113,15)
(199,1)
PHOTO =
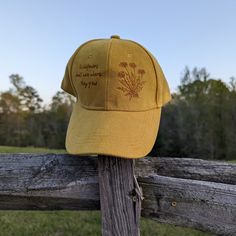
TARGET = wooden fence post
(120,197)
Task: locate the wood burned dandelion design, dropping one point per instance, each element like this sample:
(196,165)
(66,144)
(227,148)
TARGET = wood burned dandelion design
(130,79)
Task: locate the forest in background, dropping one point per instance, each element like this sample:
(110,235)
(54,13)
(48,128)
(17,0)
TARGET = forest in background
(199,122)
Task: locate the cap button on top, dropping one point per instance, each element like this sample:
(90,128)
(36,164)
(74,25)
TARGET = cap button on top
(115,37)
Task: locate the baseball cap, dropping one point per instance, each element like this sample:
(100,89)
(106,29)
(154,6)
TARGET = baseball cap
(120,90)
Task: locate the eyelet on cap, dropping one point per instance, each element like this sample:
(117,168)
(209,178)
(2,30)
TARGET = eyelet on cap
(115,37)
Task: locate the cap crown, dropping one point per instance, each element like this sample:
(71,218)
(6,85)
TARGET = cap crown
(115,74)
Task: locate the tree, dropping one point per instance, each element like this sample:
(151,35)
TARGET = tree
(232,84)
(57,119)
(28,97)
(62,100)
(9,102)
(200,121)
(16,105)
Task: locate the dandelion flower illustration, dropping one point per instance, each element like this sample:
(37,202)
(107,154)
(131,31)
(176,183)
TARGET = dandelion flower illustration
(123,64)
(141,71)
(121,74)
(132,65)
(131,82)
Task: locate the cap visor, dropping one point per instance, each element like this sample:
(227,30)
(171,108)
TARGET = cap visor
(124,134)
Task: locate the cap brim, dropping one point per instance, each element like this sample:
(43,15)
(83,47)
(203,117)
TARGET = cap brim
(117,133)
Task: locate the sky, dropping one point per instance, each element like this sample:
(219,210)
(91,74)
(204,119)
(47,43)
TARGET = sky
(37,38)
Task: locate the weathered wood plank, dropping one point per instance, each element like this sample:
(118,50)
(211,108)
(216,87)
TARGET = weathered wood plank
(62,166)
(197,204)
(187,168)
(33,181)
(49,182)
(120,214)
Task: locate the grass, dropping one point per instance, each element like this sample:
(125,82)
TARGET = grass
(233,161)
(68,223)
(9,149)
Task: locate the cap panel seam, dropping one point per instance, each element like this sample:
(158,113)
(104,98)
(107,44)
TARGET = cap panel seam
(153,63)
(92,108)
(107,74)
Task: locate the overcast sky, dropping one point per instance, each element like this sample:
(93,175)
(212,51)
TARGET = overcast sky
(38,37)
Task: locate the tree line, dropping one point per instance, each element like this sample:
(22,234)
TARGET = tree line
(24,121)
(199,122)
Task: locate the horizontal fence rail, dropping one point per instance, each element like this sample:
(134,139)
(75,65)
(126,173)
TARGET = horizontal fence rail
(181,191)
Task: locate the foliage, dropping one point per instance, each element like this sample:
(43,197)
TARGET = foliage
(24,122)
(200,121)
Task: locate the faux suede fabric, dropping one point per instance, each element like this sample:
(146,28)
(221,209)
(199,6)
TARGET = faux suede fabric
(120,89)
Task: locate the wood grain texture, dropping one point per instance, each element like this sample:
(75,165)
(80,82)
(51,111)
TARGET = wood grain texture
(187,168)
(48,182)
(120,214)
(191,198)
(197,204)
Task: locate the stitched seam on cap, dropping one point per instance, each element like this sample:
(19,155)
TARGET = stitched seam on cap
(93,108)
(150,56)
(72,62)
(70,73)
(107,74)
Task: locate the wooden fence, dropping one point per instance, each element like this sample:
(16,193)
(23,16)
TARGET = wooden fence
(187,192)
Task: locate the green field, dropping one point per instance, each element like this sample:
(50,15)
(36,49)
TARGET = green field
(65,223)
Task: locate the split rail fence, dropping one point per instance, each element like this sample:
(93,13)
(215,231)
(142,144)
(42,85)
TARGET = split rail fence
(186,192)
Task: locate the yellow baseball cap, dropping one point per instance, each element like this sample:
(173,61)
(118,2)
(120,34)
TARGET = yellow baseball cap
(120,89)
